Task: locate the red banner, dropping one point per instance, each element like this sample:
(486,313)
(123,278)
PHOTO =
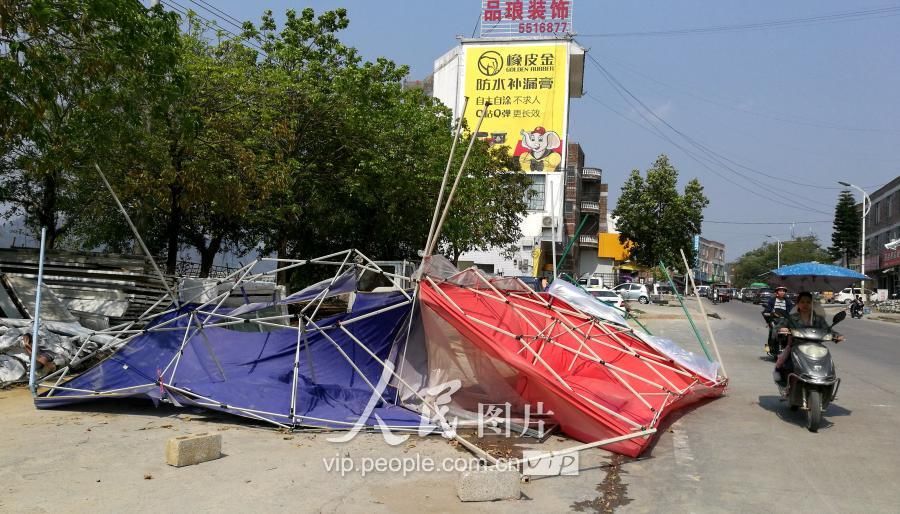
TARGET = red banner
(890,258)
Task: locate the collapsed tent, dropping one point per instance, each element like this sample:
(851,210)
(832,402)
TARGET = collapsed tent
(509,344)
(383,360)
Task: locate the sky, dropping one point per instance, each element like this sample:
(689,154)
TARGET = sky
(768,119)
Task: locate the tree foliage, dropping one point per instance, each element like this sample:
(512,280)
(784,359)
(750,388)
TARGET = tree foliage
(72,73)
(654,220)
(753,265)
(303,148)
(846,236)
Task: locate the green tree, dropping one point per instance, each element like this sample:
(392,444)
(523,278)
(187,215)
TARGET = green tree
(755,264)
(72,76)
(847,232)
(654,220)
(364,155)
(488,208)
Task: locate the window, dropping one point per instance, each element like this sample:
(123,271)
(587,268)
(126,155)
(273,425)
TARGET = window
(890,202)
(535,200)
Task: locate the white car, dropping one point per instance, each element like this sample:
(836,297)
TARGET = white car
(609,297)
(847,295)
(632,291)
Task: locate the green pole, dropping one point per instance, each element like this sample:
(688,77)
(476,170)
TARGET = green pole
(686,313)
(574,238)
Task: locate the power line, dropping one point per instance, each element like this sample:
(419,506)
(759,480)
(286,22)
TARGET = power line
(882,12)
(778,117)
(708,154)
(187,13)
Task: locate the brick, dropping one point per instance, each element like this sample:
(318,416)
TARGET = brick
(187,450)
(487,485)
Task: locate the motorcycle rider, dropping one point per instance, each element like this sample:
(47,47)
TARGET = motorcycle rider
(856,307)
(804,317)
(779,302)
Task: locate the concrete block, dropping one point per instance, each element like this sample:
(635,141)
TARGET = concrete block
(187,450)
(487,485)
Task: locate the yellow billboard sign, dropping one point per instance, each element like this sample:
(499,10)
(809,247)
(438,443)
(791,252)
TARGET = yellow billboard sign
(524,89)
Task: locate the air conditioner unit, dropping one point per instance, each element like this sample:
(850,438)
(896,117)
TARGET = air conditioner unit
(547,221)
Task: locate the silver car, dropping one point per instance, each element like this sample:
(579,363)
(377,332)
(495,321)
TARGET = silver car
(632,291)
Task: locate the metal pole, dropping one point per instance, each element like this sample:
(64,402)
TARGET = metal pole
(37,316)
(138,236)
(712,338)
(865,212)
(437,231)
(662,266)
(574,238)
(437,206)
(553,229)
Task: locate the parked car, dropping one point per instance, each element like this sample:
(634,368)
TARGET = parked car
(702,290)
(748,294)
(763,294)
(847,295)
(592,283)
(632,291)
(609,297)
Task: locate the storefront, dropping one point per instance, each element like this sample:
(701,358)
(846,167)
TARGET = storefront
(889,277)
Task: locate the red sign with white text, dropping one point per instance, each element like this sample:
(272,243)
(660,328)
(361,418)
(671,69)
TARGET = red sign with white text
(526,18)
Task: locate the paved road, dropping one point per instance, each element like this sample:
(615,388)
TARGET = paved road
(747,452)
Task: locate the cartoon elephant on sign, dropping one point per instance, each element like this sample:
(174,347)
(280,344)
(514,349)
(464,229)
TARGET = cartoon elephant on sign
(542,150)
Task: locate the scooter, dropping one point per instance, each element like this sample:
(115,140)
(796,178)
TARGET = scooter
(775,342)
(813,384)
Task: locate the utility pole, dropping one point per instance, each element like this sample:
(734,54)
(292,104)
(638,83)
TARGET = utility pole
(865,212)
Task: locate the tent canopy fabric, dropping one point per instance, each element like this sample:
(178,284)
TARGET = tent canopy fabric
(461,342)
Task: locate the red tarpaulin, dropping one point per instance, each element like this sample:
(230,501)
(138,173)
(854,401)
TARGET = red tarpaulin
(598,378)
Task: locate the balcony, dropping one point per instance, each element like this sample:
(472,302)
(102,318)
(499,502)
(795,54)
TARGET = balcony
(590,207)
(591,174)
(588,240)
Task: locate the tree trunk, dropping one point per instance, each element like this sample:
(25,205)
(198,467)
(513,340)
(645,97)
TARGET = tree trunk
(48,215)
(208,255)
(173,227)
(281,249)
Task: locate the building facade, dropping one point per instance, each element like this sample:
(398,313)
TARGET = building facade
(523,88)
(711,262)
(882,236)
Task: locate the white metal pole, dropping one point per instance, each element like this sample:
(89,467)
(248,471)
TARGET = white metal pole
(138,236)
(865,212)
(437,206)
(553,228)
(437,230)
(712,338)
(37,315)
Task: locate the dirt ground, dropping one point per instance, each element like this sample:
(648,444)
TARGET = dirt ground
(109,457)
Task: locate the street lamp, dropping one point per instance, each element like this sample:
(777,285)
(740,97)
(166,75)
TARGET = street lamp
(862,258)
(777,250)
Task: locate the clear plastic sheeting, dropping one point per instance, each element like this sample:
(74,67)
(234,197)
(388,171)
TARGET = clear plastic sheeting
(437,267)
(440,355)
(472,277)
(584,302)
(690,360)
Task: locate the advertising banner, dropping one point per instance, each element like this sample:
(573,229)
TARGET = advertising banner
(526,89)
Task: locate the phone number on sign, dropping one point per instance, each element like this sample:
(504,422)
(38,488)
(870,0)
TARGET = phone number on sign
(528,28)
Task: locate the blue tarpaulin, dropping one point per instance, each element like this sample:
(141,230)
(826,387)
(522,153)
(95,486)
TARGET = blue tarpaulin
(252,373)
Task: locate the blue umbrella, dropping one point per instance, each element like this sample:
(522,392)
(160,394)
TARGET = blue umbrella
(814,276)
